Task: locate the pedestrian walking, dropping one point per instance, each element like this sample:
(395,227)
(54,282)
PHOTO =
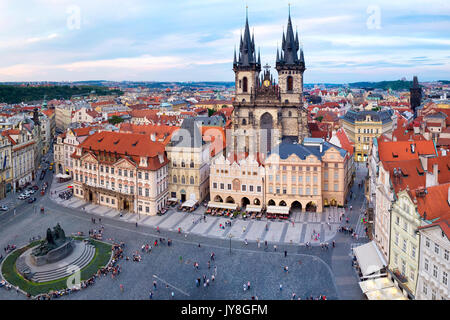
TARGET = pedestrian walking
(150,296)
(245,241)
(285,253)
(281,287)
(334,244)
(173,295)
(245,287)
(248,285)
(136,224)
(157,229)
(207,282)
(209,265)
(213,278)
(274,247)
(154,285)
(121,287)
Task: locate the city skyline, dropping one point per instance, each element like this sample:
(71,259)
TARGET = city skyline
(194,41)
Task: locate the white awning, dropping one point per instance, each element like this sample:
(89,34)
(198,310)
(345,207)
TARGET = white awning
(369,259)
(59,175)
(189,203)
(250,208)
(392,293)
(222,205)
(173,199)
(375,284)
(278,209)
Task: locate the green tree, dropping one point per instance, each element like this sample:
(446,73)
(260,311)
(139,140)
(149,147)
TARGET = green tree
(115,120)
(211,112)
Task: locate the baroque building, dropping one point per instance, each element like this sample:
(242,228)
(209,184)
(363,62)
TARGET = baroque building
(266,112)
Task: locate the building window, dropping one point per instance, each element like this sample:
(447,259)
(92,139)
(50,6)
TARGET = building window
(147,176)
(120,172)
(221,186)
(270,189)
(214,185)
(315,191)
(436,248)
(396,238)
(425,289)
(251,188)
(413,251)
(229,186)
(244,187)
(183,180)
(336,187)
(404,245)
(139,175)
(444,277)
(446,255)
(140,191)
(113,201)
(325,186)
(278,190)
(435,271)
(147,192)
(112,171)
(294,190)
(427,242)
(147,209)
(174,179)
(433,294)
(258,188)
(191,180)
(244,84)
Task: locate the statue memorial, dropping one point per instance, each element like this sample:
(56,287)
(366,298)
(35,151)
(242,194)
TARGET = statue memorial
(55,247)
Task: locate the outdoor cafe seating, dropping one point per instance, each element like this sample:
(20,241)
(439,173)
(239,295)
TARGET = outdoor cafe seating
(278,212)
(221,209)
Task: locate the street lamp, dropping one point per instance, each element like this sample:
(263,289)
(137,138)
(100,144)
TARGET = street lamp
(230,236)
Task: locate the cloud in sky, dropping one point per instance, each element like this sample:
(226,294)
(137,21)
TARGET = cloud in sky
(189,40)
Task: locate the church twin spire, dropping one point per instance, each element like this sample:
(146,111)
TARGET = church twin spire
(289,55)
(247,52)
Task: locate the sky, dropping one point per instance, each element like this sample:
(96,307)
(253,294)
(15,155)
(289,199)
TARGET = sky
(193,40)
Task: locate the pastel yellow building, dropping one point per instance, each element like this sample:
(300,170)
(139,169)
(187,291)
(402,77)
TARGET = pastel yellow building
(361,127)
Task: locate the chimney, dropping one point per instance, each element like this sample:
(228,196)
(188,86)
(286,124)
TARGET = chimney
(424,162)
(431,178)
(435,173)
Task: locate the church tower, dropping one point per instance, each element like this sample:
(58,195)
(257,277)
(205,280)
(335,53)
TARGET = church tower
(415,98)
(247,67)
(266,113)
(290,66)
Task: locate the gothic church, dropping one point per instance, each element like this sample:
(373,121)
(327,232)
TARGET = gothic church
(266,112)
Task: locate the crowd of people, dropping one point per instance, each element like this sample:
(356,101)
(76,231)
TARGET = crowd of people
(112,268)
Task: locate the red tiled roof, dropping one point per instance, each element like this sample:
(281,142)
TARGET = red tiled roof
(128,145)
(215,135)
(401,150)
(346,144)
(161,132)
(434,203)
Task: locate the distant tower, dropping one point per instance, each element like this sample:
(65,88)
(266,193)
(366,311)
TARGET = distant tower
(415,96)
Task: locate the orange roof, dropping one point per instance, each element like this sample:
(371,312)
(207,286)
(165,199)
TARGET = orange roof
(48,112)
(434,204)
(402,150)
(161,132)
(217,137)
(346,144)
(131,146)
(443,163)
